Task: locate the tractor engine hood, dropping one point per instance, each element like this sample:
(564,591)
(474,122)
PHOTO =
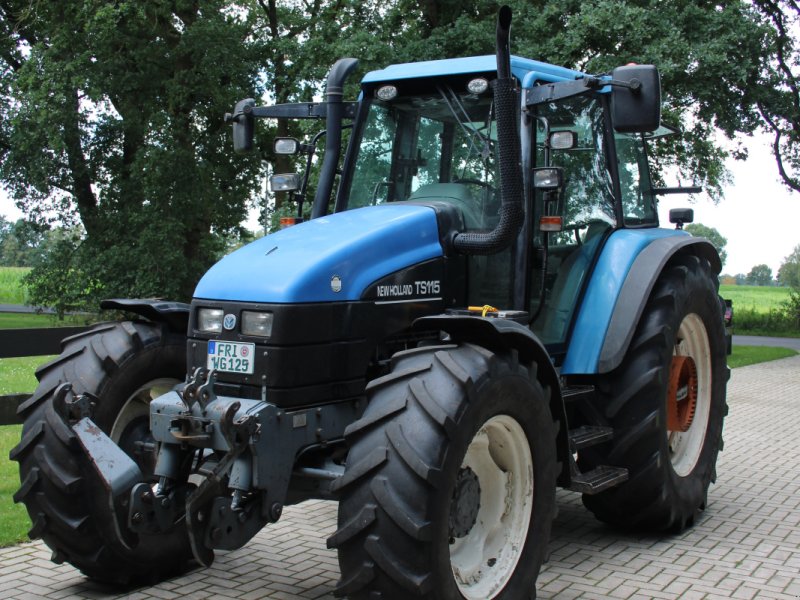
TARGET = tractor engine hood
(329,259)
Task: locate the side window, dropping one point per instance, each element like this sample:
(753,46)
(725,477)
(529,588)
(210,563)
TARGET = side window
(588,193)
(429,153)
(370,184)
(586,206)
(638,202)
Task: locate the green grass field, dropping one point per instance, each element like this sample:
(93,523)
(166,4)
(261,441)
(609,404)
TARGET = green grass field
(759,298)
(11,290)
(31,320)
(14,521)
(17,374)
(751,355)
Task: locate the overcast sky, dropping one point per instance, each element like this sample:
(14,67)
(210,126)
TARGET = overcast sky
(759,216)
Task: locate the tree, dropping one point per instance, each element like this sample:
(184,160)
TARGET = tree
(760,275)
(126,100)
(789,272)
(712,235)
(110,112)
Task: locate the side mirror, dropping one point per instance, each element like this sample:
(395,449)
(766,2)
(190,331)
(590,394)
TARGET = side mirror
(284,182)
(242,119)
(680,216)
(636,99)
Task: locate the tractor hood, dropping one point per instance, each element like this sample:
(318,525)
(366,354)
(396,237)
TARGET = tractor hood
(329,259)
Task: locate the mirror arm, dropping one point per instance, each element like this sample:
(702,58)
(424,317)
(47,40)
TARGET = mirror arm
(694,189)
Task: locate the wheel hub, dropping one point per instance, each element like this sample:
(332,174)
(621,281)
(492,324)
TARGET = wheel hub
(681,393)
(466,503)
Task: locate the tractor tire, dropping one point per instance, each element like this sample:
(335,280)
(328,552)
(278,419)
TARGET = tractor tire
(449,489)
(669,445)
(124,365)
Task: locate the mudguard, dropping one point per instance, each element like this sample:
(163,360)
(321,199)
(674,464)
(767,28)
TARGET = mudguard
(499,335)
(174,315)
(621,283)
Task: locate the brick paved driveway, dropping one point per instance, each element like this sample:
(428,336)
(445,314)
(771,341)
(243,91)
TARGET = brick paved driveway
(747,544)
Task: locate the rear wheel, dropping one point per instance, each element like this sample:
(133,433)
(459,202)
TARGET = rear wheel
(666,403)
(449,490)
(125,366)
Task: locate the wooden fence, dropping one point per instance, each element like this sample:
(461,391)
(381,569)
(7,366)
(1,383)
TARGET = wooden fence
(28,342)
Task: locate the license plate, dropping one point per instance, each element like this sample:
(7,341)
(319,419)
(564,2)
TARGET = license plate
(231,357)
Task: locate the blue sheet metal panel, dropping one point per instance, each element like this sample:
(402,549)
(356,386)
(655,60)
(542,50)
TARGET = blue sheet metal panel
(594,315)
(472,64)
(297,264)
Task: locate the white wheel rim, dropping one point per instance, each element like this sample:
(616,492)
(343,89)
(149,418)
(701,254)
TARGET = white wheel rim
(685,447)
(485,558)
(138,404)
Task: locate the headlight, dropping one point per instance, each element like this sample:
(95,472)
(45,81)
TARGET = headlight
(209,320)
(256,323)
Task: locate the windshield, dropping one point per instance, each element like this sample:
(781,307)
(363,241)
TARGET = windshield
(435,145)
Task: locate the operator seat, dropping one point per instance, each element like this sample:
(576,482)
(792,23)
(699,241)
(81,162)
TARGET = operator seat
(457,194)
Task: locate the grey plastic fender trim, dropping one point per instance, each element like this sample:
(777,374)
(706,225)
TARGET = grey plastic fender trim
(498,334)
(174,314)
(637,287)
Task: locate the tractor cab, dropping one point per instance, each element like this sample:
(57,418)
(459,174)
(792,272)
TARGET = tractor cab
(433,139)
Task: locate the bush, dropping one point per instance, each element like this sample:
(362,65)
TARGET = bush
(784,320)
(791,308)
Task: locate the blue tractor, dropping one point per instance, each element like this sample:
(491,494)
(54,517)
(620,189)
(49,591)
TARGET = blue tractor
(484,309)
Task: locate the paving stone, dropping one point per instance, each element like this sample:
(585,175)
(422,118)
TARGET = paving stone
(746,545)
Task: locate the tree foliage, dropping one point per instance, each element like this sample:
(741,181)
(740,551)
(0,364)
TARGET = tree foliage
(110,112)
(712,235)
(789,272)
(760,275)
(112,118)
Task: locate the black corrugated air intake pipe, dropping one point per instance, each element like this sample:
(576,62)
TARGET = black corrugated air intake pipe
(334,90)
(506,102)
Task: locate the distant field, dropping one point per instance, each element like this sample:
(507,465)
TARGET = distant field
(31,320)
(11,290)
(758,298)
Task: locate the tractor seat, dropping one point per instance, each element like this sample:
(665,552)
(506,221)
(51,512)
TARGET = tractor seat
(457,194)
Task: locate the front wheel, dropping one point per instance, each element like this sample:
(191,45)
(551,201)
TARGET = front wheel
(666,403)
(124,366)
(449,490)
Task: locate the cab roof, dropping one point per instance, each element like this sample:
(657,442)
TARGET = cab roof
(526,70)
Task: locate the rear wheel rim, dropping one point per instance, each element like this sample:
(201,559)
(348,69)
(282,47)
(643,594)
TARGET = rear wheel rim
(685,447)
(484,557)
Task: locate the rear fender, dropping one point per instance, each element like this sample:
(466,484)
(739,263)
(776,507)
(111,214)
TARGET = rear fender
(610,313)
(175,315)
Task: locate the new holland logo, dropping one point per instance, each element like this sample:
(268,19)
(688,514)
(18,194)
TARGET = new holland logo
(229,322)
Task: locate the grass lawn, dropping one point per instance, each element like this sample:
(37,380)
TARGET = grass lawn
(758,298)
(30,320)
(14,521)
(11,290)
(16,374)
(750,355)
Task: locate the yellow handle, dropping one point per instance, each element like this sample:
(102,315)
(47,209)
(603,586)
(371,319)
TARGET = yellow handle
(486,308)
